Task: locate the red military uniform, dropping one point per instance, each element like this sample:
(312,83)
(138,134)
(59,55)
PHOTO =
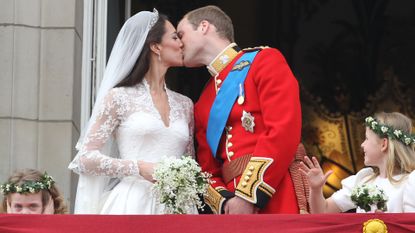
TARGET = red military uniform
(257,154)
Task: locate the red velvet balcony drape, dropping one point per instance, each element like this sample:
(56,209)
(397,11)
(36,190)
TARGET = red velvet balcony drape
(326,223)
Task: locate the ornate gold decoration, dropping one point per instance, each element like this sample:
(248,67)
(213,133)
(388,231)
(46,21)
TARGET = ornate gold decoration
(214,200)
(254,172)
(374,226)
(241,65)
(222,60)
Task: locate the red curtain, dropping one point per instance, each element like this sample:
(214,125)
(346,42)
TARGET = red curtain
(325,223)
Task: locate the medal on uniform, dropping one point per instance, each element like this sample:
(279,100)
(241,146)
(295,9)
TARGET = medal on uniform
(241,98)
(248,121)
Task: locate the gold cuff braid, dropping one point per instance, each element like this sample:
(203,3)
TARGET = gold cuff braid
(252,180)
(214,200)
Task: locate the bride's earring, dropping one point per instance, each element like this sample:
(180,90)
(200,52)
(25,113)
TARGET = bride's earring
(159,57)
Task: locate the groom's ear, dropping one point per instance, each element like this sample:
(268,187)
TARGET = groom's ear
(204,26)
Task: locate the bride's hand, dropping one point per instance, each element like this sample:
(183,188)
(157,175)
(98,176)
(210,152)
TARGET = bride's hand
(146,170)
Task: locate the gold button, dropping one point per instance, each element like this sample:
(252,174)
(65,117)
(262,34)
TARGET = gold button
(246,178)
(230,144)
(218,81)
(218,89)
(230,153)
(229,136)
(244,184)
(251,168)
(249,173)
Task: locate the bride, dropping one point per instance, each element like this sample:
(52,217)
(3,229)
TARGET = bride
(136,114)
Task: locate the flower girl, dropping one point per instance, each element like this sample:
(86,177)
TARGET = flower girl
(389,150)
(29,191)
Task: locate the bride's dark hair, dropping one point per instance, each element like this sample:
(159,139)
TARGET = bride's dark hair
(143,62)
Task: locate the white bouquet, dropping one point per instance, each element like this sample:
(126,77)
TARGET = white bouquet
(179,182)
(369,198)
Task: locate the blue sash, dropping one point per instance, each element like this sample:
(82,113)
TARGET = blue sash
(226,98)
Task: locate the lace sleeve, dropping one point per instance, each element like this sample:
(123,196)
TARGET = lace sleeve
(190,149)
(89,159)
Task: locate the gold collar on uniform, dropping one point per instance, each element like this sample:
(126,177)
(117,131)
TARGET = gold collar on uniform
(223,59)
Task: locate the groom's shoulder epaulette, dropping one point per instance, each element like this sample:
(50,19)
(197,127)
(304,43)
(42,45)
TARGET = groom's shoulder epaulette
(254,48)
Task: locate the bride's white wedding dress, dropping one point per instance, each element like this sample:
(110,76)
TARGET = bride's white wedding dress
(128,113)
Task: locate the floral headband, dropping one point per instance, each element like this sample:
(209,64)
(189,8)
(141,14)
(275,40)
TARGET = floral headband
(388,131)
(30,186)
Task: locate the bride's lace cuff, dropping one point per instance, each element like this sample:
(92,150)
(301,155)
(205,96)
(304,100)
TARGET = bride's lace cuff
(190,148)
(97,164)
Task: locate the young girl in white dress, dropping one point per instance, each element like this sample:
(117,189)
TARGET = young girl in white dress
(136,114)
(389,150)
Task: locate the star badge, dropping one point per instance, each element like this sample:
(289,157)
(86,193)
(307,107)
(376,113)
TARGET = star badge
(248,121)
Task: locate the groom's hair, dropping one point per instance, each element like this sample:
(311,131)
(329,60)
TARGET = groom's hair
(215,16)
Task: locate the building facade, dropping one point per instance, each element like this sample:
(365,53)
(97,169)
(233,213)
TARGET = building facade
(40,91)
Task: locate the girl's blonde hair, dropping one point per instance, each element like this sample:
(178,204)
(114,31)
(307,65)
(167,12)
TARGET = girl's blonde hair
(22,176)
(401,157)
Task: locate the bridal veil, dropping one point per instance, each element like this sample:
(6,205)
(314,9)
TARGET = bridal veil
(124,54)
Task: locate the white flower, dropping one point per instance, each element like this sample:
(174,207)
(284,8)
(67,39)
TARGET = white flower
(384,129)
(179,183)
(369,119)
(397,132)
(365,196)
(407,141)
(32,190)
(19,189)
(374,124)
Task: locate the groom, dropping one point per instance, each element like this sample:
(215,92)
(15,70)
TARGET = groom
(248,118)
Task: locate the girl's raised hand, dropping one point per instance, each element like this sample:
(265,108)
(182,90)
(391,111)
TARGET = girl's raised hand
(312,170)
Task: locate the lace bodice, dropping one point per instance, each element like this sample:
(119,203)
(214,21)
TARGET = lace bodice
(129,115)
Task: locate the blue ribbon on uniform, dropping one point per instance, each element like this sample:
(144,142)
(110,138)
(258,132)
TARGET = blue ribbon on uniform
(225,99)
